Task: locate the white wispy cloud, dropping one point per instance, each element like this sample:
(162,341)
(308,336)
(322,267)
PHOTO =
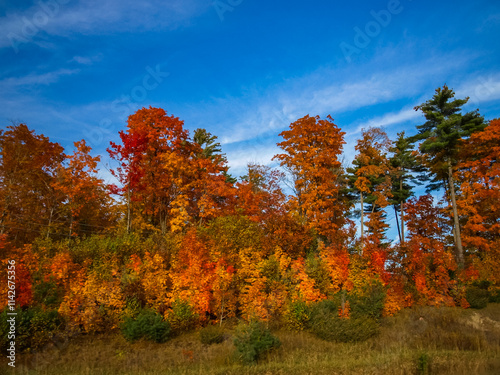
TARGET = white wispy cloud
(238,159)
(323,92)
(94,16)
(389,119)
(36,78)
(86,60)
(480,89)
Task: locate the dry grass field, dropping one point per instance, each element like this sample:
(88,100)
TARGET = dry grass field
(423,340)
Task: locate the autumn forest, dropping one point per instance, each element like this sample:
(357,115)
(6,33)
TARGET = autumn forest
(180,241)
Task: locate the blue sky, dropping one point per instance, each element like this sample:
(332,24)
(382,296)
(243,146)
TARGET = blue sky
(242,69)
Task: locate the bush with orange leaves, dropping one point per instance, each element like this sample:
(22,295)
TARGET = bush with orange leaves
(95,300)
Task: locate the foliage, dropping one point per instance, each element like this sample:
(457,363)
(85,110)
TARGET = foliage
(479,197)
(180,238)
(442,135)
(182,317)
(48,294)
(423,364)
(368,302)
(371,179)
(297,315)
(252,341)
(327,325)
(312,149)
(44,192)
(28,170)
(477,298)
(404,164)
(211,334)
(148,325)
(34,328)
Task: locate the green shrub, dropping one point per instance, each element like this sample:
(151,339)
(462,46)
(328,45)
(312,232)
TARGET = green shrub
(423,364)
(297,315)
(326,324)
(345,329)
(211,335)
(368,302)
(252,341)
(121,246)
(182,318)
(495,296)
(34,328)
(477,297)
(324,307)
(48,294)
(148,324)
(316,270)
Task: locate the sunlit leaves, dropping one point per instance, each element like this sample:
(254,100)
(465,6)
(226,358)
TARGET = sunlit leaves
(312,150)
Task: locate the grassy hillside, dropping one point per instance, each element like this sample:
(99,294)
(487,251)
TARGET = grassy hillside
(421,340)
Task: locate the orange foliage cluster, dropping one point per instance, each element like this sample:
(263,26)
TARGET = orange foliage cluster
(242,248)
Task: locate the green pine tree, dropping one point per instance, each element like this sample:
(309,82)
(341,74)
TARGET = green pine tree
(404,164)
(441,135)
(211,149)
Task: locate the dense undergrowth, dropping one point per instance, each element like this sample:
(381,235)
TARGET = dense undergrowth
(419,340)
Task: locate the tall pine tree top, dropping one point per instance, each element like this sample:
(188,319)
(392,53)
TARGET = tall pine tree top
(443,130)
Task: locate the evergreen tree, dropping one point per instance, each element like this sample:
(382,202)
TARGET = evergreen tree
(403,163)
(441,135)
(211,149)
(208,143)
(370,180)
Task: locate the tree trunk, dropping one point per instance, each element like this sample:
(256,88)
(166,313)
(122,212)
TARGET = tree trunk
(397,223)
(343,301)
(50,222)
(163,222)
(222,311)
(459,252)
(70,226)
(402,239)
(128,208)
(402,223)
(2,227)
(362,212)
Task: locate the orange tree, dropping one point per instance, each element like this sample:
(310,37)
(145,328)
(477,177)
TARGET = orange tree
(311,153)
(478,200)
(89,206)
(169,180)
(29,203)
(155,168)
(426,261)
